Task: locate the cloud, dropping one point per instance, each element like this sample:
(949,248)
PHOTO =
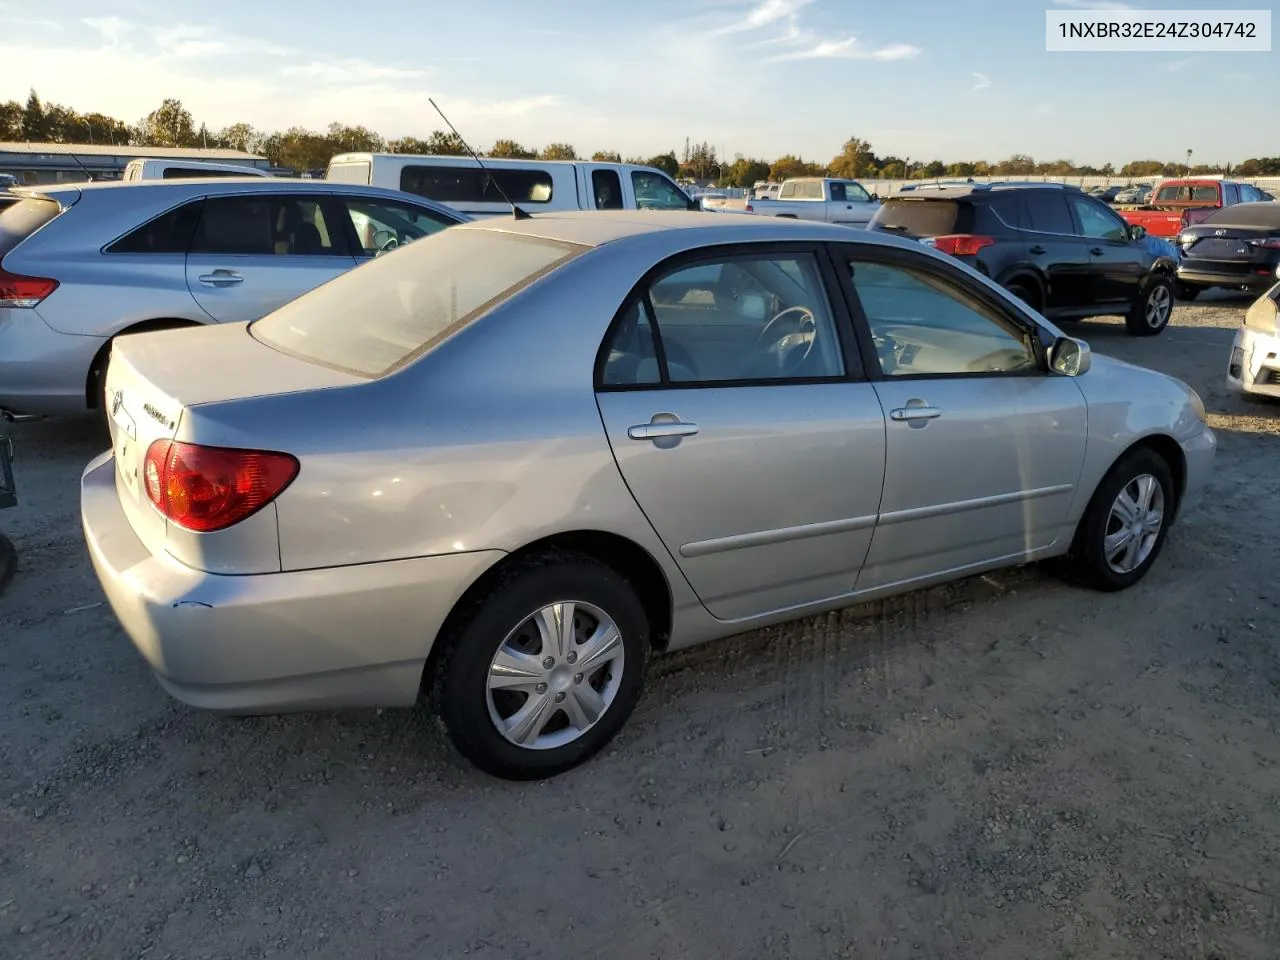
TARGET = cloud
(766,13)
(349,71)
(848,49)
(113,29)
(1176,66)
(187,40)
(1041,110)
(981,82)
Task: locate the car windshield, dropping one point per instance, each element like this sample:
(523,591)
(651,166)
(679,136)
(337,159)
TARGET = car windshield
(378,317)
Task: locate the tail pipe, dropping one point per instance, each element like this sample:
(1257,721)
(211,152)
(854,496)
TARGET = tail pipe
(12,416)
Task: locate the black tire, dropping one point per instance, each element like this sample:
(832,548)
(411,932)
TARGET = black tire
(1158,289)
(1186,291)
(460,685)
(8,562)
(1087,561)
(1025,294)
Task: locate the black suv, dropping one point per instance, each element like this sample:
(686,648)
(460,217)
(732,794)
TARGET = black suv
(1066,254)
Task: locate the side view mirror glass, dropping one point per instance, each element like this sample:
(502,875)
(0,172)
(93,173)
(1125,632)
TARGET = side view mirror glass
(1069,357)
(1137,232)
(1278,271)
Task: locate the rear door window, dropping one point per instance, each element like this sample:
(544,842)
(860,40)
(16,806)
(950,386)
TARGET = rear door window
(170,232)
(266,225)
(606,189)
(1047,212)
(22,219)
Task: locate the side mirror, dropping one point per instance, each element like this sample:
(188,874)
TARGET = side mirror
(1136,231)
(1069,357)
(1278,271)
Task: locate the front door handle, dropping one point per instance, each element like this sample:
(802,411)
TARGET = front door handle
(1037,249)
(1096,251)
(660,429)
(915,413)
(221,278)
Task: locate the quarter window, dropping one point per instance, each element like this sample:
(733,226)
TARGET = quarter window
(383,225)
(170,232)
(741,319)
(924,326)
(1098,223)
(260,225)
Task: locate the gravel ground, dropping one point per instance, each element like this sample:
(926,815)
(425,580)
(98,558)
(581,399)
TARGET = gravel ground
(1004,767)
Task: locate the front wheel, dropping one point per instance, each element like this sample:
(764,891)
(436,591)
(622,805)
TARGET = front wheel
(1124,527)
(546,670)
(1151,311)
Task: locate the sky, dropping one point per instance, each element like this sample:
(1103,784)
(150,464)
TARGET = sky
(921,79)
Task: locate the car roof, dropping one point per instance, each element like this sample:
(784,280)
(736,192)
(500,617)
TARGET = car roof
(202,184)
(969,191)
(595,228)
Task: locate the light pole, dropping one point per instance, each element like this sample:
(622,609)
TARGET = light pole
(1188,163)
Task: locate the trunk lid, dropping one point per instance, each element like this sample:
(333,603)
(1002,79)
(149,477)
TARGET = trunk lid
(1225,243)
(153,378)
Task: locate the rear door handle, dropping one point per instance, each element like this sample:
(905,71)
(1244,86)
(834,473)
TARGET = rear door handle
(1037,249)
(656,431)
(915,413)
(221,278)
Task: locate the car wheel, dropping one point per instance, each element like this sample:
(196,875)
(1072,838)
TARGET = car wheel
(1151,312)
(1125,525)
(1187,292)
(545,670)
(1023,293)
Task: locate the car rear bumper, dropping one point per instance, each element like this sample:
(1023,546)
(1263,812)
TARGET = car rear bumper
(355,636)
(42,371)
(1253,365)
(1254,278)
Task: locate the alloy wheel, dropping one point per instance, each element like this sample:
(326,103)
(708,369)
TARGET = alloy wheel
(1159,304)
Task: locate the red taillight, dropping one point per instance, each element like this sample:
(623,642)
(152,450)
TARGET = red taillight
(19,291)
(211,488)
(749,208)
(962,244)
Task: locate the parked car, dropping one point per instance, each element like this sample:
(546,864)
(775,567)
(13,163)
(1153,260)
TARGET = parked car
(8,180)
(143,169)
(81,264)
(536,186)
(825,199)
(1134,193)
(1107,194)
(1066,254)
(1236,247)
(1179,203)
(1254,367)
(479,466)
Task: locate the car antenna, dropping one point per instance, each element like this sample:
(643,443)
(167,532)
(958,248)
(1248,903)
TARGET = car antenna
(87,175)
(516,212)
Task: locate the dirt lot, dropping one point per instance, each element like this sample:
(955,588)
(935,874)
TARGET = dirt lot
(1007,767)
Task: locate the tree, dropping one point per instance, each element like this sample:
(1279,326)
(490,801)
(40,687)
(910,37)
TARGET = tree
(354,139)
(1019,163)
(1142,168)
(934,169)
(606,156)
(11,120)
(788,166)
(559,151)
(169,125)
(34,129)
(744,172)
(666,162)
(238,136)
(104,129)
(442,144)
(854,160)
(512,150)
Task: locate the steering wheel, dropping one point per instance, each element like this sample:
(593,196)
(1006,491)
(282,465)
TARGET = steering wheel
(789,337)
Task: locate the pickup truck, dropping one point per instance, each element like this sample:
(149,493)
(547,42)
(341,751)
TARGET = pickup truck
(825,199)
(1175,204)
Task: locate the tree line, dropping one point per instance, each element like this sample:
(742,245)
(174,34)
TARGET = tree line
(297,148)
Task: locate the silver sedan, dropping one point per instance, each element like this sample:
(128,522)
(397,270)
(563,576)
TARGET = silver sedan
(508,463)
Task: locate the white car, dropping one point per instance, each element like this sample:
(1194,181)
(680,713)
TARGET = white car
(1254,367)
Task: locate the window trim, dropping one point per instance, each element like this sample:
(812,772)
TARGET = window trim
(327,208)
(850,353)
(1026,210)
(888,256)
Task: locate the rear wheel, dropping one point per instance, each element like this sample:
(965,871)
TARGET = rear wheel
(1025,294)
(1124,527)
(1151,311)
(544,671)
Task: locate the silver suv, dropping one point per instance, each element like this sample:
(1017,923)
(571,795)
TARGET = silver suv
(83,263)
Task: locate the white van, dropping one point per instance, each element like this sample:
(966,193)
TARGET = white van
(536,186)
(141,169)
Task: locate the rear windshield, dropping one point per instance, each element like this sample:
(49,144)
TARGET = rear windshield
(351,171)
(376,318)
(1261,214)
(920,217)
(20,220)
(1186,193)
